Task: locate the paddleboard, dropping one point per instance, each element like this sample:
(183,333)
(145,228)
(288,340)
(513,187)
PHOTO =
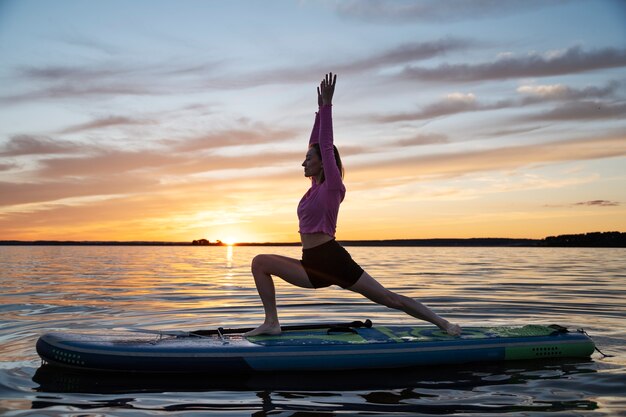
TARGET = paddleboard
(305,349)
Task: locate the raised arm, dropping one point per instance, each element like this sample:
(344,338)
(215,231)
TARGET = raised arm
(331,170)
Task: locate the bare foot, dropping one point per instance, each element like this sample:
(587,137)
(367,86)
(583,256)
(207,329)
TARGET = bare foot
(453,329)
(265,328)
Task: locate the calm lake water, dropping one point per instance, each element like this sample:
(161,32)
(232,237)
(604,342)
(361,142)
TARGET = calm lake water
(98,288)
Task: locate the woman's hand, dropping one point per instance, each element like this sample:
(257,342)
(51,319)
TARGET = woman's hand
(327,89)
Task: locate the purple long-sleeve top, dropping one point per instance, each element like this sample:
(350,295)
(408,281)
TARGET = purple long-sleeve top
(319,207)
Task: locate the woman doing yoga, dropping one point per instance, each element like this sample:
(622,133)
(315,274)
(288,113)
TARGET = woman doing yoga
(325,262)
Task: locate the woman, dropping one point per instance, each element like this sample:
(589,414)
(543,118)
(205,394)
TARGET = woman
(324,262)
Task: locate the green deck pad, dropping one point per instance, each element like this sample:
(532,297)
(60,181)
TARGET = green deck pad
(526,331)
(427,334)
(396,334)
(529,330)
(308,337)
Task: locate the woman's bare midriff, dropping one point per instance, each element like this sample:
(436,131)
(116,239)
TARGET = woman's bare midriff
(311,240)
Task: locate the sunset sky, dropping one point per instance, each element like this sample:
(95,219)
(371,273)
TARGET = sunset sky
(181,120)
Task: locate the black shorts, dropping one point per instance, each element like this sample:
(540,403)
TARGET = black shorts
(330,264)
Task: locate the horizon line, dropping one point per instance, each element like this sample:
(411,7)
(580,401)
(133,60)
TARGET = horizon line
(477,241)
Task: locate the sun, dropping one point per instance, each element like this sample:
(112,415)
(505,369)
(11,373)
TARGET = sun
(230,241)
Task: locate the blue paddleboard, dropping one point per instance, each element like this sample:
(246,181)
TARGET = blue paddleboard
(320,349)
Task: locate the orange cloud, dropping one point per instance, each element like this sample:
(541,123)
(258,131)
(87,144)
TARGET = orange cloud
(20,145)
(105,122)
(504,158)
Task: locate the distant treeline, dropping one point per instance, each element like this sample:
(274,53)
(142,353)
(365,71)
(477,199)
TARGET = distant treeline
(444,242)
(595,239)
(90,243)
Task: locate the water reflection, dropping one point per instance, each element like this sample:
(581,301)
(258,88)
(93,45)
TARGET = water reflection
(229,256)
(93,289)
(474,388)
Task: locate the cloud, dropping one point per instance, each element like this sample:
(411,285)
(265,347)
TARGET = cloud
(452,104)
(112,70)
(103,79)
(428,11)
(571,61)
(90,44)
(107,79)
(408,52)
(109,162)
(458,102)
(421,139)
(254,163)
(251,135)
(81,90)
(19,145)
(13,193)
(583,110)
(157,163)
(598,203)
(117,173)
(58,159)
(106,122)
(67,73)
(517,131)
(503,158)
(591,203)
(541,93)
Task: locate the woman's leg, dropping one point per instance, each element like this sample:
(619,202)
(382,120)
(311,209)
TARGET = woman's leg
(372,289)
(263,267)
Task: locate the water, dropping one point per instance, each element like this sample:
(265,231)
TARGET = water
(98,288)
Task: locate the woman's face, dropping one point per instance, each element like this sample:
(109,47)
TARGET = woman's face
(312,164)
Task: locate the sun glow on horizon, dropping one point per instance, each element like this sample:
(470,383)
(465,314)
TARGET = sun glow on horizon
(443,133)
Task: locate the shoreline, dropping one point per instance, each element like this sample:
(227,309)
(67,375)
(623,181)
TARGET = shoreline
(386,242)
(594,239)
